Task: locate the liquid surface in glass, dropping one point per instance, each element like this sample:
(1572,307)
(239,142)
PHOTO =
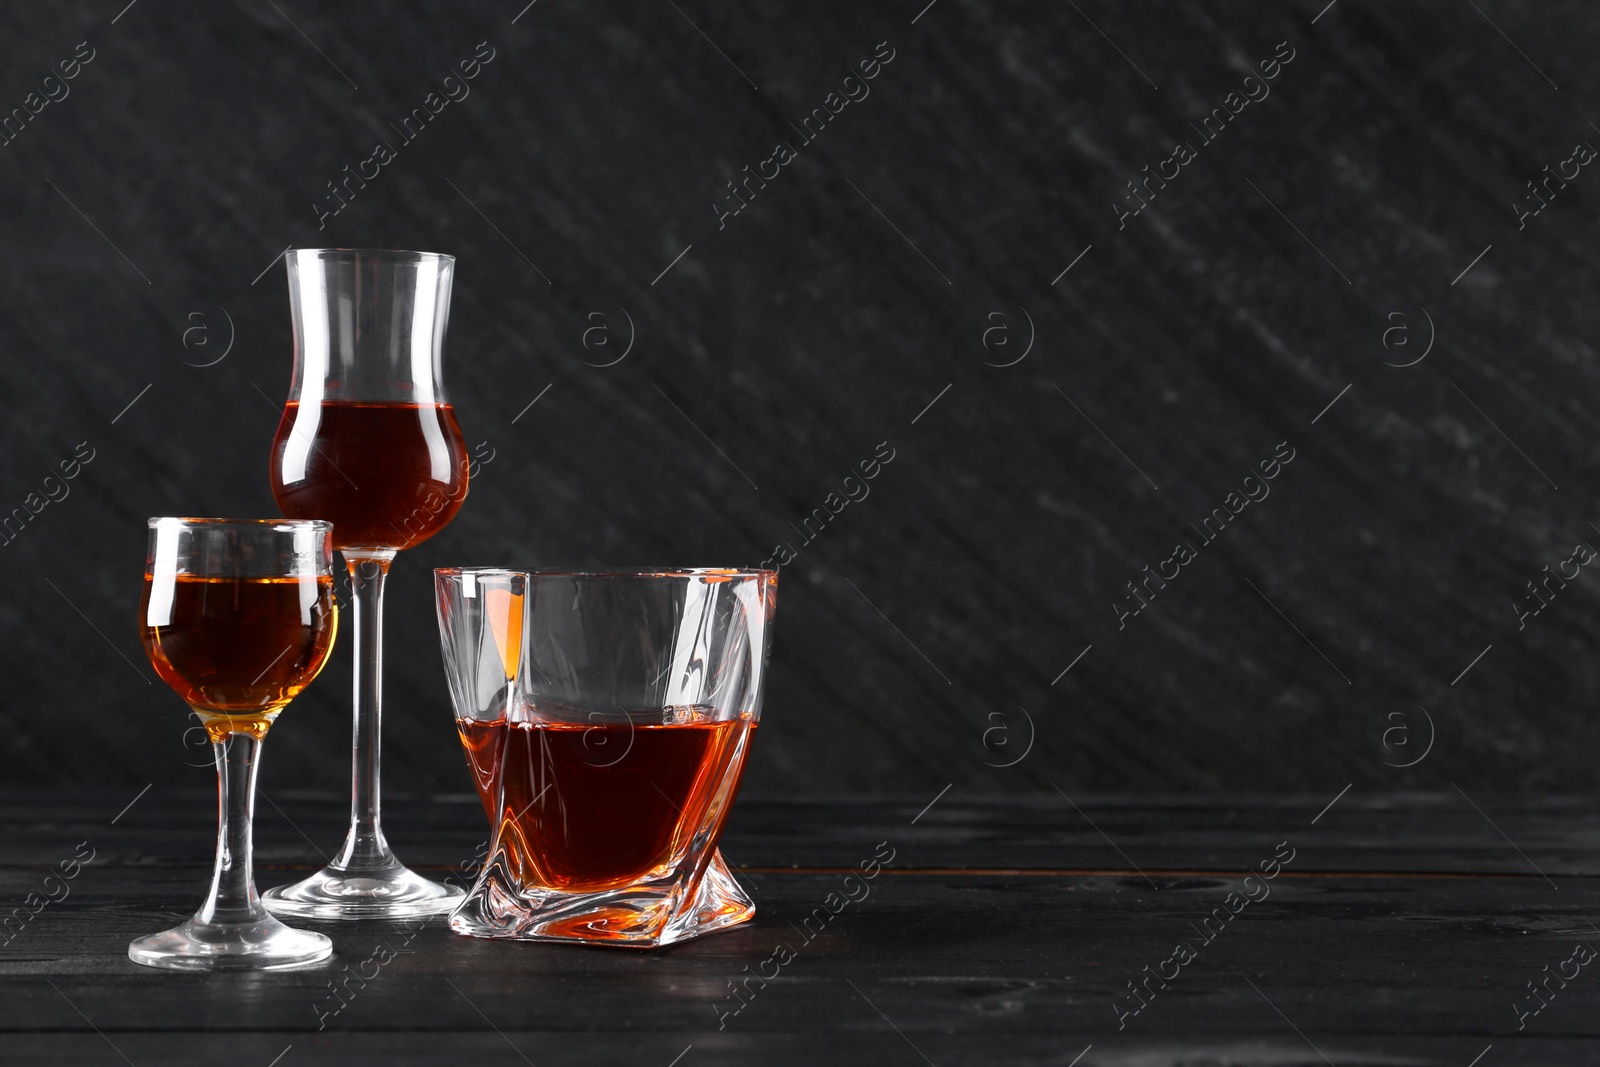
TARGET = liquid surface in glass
(239,646)
(596,805)
(386,475)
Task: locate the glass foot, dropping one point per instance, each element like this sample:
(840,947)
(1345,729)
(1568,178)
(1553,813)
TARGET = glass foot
(262,944)
(648,914)
(388,893)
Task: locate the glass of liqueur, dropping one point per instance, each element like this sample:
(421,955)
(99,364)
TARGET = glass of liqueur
(368,442)
(237,616)
(606,717)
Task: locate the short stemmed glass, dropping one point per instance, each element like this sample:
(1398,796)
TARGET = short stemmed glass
(237,616)
(368,441)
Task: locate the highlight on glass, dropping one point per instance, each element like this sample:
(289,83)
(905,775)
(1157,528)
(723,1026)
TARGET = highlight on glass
(606,718)
(238,617)
(368,441)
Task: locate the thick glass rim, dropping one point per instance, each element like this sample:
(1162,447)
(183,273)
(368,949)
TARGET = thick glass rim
(619,572)
(285,525)
(393,253)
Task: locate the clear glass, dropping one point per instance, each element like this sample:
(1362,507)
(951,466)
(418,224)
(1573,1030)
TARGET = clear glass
(238,617)
(369,442)
(606,718)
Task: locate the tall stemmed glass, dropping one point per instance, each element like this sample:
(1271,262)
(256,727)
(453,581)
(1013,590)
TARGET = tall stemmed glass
(369,442)
(237,617)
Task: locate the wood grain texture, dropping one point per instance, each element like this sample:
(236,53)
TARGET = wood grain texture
(944,955)
(855,289)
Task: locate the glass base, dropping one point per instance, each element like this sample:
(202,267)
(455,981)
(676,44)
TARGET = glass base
(263,944)
(389,893)
(648,914)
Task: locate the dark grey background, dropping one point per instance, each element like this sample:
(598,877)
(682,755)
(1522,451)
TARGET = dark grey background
(922,638)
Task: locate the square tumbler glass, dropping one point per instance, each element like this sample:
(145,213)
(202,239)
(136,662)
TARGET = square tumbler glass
(606,717)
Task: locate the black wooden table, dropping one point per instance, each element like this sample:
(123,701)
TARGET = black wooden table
(1395,929)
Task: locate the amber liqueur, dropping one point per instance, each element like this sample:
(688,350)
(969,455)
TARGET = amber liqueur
(598,805)
(238,647)
(387,475)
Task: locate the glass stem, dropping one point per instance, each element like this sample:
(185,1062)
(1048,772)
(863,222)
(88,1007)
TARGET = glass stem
(364,848)
(233,889)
